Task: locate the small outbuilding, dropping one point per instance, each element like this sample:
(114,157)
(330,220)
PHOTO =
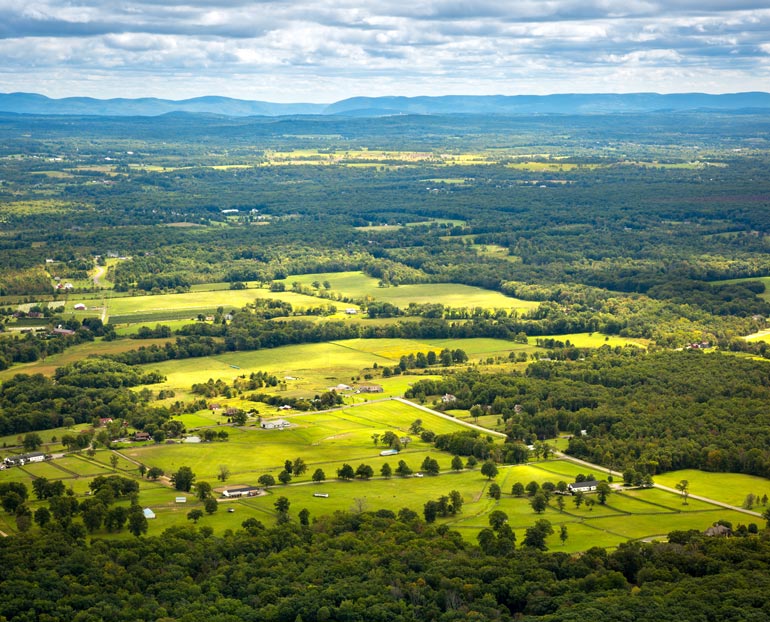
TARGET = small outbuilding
(80,307)
(241,491)
(148,513)
(274,424)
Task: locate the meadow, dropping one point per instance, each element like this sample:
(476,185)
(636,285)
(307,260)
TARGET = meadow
(359,285)
(729,488)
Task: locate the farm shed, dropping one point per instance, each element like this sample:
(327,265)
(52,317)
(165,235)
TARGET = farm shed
(587,486)
(274,424)
(148,513)
(241,491)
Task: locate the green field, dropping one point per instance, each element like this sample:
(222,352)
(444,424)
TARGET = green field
(729,488)
(359,285)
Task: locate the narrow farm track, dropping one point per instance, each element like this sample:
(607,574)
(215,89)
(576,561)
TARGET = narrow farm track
(438,413)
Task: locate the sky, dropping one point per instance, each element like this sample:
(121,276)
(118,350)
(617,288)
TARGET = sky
(326,50)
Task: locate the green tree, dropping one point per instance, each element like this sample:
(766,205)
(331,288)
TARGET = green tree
(602,492)
(684,488)
(32,441)
(386,471)
(318,475)
(266,480)
(456,500)
(535,536)
(457,463)
(346,472)
(142,470)
(471,462)
(195,515)
(154,473)
(304,517)
(560,502)
(563,535)
(578,498)
(282,505)
(223,472)
(517,490)
(364,471)
(284,477)
(494,491)
(114,460)
(137,521)
(403,469)
(203,490)
(489,469)
(42,517)
(430,466)
(539,502)
(183,479)
(497,518)
(299,467)
(210,505)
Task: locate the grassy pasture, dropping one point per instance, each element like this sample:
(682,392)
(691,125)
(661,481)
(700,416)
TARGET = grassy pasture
(729,488)
(359,285)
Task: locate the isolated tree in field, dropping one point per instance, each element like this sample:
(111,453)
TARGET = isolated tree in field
(497,518)
(539,503)
(282,505)
(203,490)
(517,490)
(476,412)
(346,472)
(318,475)
(154,473)
(142,470)
(560,502)
(494,491)
(298,467)
(210,505)
(471,462)
(532,488)
(223,472)
(578,498)
(457,463)
(376,438)
(266,480)
(183,479)
(416,426)
(364,471)
(32,441)
(489,469)
(602,492)
(288,465)
(195,515)
(386,470)
(563,535)
(113,460)
(684,488)
(284,477)
(304,517)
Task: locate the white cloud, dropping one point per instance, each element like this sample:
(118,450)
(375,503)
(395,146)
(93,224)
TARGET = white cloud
(328,49)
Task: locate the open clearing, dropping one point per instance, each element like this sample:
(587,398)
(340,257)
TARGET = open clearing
(359,285)
(729,488)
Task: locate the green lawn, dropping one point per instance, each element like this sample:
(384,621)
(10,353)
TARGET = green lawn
(359,285)
(729,488)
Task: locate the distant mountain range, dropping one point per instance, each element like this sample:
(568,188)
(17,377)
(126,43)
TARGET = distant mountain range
(31,103)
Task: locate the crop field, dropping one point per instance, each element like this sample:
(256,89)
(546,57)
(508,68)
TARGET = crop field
(359,285)
(729,488)
(202,301)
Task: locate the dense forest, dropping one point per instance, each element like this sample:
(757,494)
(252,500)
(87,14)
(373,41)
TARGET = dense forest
(628,409)
(372,567)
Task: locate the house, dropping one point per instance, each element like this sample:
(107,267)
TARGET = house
(80,307)
(448,398)
(284,407)
(104,420)
(351,311)
(341,387)
(241,491)
(370,388)
(148,513)
(717,530)
(274,424)
(23,459)
(142,436)
(587,486)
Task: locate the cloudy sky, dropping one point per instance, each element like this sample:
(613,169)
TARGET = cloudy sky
(326,50)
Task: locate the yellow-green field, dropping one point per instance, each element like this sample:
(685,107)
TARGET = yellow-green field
(729,488)
(359,285)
